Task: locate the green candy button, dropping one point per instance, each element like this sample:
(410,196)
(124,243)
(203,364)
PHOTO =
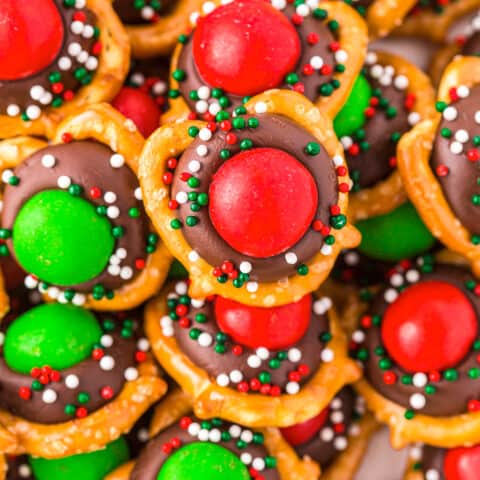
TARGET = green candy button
(61,239)
(84,466)
(398,235)
(56,335)
(352,117)
(202,461)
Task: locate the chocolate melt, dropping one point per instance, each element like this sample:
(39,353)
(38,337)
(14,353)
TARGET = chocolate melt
(131,15)
(274,131)
(311,83)
(150,461)
(92,379)
(460,185)
(450,397)
(17,92)
(372,165)
(324,452)
(87,163)
(310,346)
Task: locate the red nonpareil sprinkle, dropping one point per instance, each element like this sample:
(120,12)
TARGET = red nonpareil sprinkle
(307,69)
(212,126)
(343,187)
(35,372)
(167,178)
(97,354)
(303,369)
(317,225)
(79,17)
(389,378)
(227,267)
(140,356)
(341,171)
(208,117)
(297,19)
(339,427)
(326,70)
(392,161)
(473,406)
(366,321)
(140,263)
(68,95)
(334,46)
(24,393)
(434,376)
(265,389)
(335,210)
(67,137)
(181,310)
(55,376)
(442,170)
(453,94)
(237,350)
(313,38)
(473,155)
(184,176)
(216,272)
(243,387)
(184,322)
(275,391)
(44,379)
(81,412)
(192,116)
(325,230)
(97,48)
(185,422)
(231,138)
(106,392)
(173,204)
(57,87)
(369,112)
(172,163)
(294,376)
(354,150)
(95,192)
(225,125)
(255,384)
(167,448)
(299,87)
(374,101)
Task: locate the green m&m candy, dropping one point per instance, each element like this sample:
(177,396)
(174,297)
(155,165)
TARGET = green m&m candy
(395,236)
(56,335)
(84,466)
(61,238)
(352,116)
(202,461)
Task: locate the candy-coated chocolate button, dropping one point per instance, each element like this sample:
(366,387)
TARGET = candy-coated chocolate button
(303,432)
(140,108)
(395,236)
(31,36)
(245,47)
(262,201)
(54,335)
(274,328)
(61,238)
(201,461)
(85,466)
(431,326)
(352,116)
(462,463)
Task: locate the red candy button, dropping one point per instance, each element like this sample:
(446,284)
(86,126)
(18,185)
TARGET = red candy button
(245,47)
(303,432)
(262,201)
(31,36)
(431,326)
(140,108)
(462,463)
(274,328)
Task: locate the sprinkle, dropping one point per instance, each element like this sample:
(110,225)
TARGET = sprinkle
(327,355)
(291,258)
(64,182)
(107,363)
(130,374)
(117,160)
(48,161)
(417,401)
(223,380)
(72,381)
(49,396)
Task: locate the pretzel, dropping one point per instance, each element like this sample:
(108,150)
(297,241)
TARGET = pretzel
(94,431)
(420,182)
(105,125)
(160,37)
(109,76)
(384,15)
(169,412)
(171,140)
(210,399)
(389,194)
(433,25)
(352,38)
